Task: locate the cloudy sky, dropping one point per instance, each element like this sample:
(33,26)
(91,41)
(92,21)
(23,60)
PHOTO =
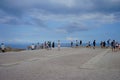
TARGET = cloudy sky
(24,21)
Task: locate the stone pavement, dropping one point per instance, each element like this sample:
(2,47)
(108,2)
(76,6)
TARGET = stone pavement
(67,64)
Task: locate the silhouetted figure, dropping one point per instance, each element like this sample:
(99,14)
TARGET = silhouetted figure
(50,45)
(101,44)
(71,43)
(80,42)
(94,44)
(108,43)
(104,44)
(113,44)
(53,45)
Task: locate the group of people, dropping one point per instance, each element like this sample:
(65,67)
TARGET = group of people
(115,45)
(49,45)
(77,43)
(46,45)
(87,44)
(103,44)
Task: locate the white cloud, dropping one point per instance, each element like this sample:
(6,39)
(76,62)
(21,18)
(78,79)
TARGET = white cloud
(71,38)
(73,17)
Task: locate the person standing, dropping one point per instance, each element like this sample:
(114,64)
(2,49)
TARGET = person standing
(113,45)
(108,43)
(50,45)
(94,44)
(2,47)
(53,45)
(80,42)
(38,46)
(58,45)
(71,43)
(76,43)
(101,44)
(89,45)
(119,47)
(104,44)
(33,47)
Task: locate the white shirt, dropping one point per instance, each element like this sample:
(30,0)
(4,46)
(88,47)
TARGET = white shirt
(32,46)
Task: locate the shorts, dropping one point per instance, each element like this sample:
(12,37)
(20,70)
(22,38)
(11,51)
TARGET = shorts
(113,47)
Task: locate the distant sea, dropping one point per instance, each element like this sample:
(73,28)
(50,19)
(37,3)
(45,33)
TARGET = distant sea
(24,46)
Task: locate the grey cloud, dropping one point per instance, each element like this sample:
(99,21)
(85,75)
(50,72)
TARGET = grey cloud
(21,8)
(60,7)
(107,6)
(38,22)
(74,27)
(117,16)
(13,20)
(8,7)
